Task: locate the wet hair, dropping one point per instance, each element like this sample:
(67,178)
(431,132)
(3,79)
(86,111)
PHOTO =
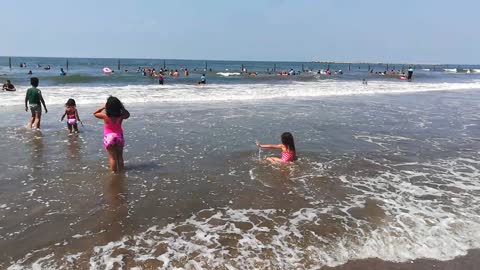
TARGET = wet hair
(287,140)
(114,107)
(34,81)
(71,102)
(8,81)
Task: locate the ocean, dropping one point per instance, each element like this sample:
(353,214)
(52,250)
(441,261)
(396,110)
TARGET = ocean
(386,170)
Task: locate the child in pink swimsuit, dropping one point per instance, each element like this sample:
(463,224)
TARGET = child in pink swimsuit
(72,116)
(113,140)
(287,146)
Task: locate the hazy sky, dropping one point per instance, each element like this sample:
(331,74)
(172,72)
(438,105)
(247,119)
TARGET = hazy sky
(422,31)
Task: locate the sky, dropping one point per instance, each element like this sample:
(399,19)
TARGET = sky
(422,31)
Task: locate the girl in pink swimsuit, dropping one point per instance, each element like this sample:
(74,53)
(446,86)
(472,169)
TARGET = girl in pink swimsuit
(287,146)
(113,140)
(72,116)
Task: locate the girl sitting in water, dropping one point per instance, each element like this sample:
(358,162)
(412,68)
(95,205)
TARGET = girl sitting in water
(287,146)
(113,140)
(72,116)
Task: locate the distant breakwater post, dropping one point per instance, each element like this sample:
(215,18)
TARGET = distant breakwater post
(67,64)
(118,64)
(10,62)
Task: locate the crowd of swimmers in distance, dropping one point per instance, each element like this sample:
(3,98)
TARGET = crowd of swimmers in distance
(174,73)
(402,73)
(47,67)
(113,112)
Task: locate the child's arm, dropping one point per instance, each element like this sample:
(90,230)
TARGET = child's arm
(26,100)
(272,146)
(77,116)
(99,114)
(63,116)
(43,102)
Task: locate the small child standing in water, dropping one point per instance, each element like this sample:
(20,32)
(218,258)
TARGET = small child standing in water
(72,116)
(288,149)
(113,140)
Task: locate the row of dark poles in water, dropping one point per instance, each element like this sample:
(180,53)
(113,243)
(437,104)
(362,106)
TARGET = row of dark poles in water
(274,65)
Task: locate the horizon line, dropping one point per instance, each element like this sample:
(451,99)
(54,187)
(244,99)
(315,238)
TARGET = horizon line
(230,60)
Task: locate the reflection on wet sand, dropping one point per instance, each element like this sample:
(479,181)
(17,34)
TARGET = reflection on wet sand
(74,146)
(116,206)
(37,149)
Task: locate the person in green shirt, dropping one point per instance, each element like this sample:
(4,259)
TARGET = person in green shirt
(34,98)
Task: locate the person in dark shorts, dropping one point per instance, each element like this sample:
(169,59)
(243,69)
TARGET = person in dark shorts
(203,79)
(160,78)
(410,73)
(34,98)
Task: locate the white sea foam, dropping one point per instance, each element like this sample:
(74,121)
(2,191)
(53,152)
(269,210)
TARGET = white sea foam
(454,70)
(228,92)
(403,226)
(227,74)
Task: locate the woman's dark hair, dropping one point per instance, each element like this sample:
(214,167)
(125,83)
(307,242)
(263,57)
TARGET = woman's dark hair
(70,102)
(114,107)
(287,140)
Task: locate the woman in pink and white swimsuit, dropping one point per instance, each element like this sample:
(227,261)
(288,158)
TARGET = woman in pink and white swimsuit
(288,149)
(113,140)
(72,116)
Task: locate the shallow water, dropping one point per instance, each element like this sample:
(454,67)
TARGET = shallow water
(392,176)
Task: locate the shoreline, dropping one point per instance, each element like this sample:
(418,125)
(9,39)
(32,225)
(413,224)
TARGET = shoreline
(466,262)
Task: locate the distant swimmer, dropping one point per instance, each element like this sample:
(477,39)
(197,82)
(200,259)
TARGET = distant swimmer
(364,82)
(30,72)
(410,74)
(160,78)
(175,73)
(47,67)
(8,86)
(203,79)
(186,72)
(62,72)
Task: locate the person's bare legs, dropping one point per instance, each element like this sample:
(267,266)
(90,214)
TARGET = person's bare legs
(274,159)
(38,117)
(120,163)
(112,158)
(32,120)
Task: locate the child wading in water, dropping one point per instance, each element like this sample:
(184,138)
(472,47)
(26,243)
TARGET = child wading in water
(34,98)
(72,116)
(113,133)
(287,146)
